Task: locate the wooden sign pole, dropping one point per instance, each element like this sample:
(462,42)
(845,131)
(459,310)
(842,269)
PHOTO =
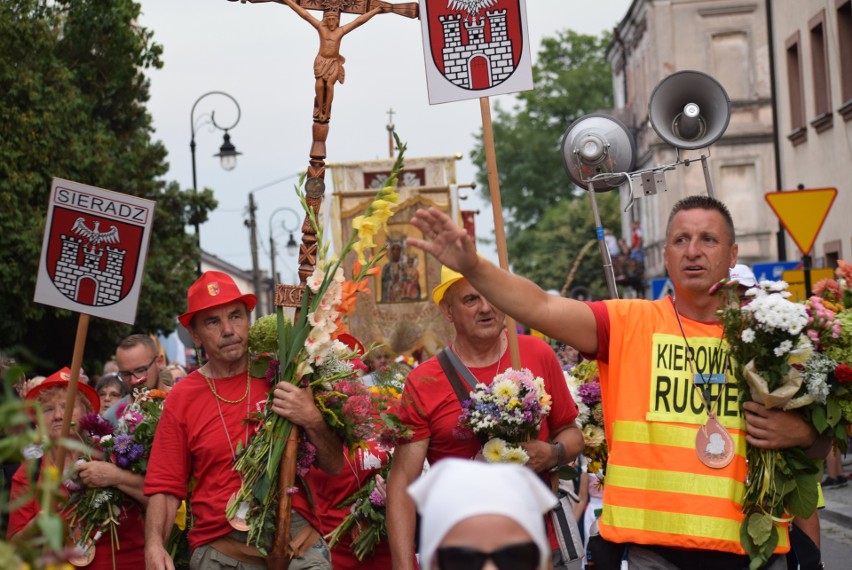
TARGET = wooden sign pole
(497,207)
(71,397)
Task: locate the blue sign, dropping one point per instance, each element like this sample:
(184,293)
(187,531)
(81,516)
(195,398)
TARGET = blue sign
(774,271)
(660,287)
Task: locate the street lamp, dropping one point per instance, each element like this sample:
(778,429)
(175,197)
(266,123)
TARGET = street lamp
(227,152)
(292,246)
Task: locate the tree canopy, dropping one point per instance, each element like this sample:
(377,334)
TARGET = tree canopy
(548,219)
(73,94)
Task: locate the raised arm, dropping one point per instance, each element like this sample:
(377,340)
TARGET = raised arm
(567,320)
(304,14)
(361,20)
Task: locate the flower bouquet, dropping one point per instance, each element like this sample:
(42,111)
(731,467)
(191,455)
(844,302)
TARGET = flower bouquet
(789,356)
(95,511)
(505,413)
(306,353)
(585,387)
(366,521)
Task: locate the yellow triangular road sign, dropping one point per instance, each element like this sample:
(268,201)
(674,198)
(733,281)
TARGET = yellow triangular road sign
(802,212)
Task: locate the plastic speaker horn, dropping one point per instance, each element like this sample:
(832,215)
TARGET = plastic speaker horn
(689,110)
(597,144)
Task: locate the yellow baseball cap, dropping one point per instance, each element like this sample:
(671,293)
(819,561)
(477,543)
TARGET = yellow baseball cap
(448,277)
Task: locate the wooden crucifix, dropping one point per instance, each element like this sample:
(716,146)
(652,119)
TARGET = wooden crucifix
(328,64)
(328,70)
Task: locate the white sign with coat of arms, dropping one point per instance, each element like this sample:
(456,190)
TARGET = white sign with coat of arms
(475,48)
(94,250)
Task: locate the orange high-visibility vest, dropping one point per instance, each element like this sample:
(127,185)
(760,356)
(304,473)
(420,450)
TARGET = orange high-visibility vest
(656,491)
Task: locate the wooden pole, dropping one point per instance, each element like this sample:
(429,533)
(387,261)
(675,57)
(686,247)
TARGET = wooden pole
(71,397)
(497,207)
(291,296)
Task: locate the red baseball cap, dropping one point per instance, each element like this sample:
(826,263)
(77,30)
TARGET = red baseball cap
(212,289)
(62,378)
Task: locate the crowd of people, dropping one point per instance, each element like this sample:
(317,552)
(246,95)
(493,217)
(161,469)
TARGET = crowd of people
(663,506)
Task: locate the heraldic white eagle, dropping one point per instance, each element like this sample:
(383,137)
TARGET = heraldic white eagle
(472,7)
(95,236)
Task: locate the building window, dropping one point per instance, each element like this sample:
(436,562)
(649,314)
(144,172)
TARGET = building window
(796,89)
(819,68)
(730,64)
(844,46)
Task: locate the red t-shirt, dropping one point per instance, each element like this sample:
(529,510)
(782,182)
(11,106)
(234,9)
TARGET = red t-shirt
(191,442)
(130,531)
(329,491)
(431,408)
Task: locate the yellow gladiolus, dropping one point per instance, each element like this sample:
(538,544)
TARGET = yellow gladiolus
(180,518)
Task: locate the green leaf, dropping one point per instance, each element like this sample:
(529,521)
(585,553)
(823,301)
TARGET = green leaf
(818,418)
(802,500)
(834,413)
(759,527)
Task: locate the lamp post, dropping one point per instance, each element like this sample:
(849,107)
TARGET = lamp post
(227,152)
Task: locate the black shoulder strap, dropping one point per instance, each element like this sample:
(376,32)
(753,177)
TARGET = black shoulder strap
(450,371)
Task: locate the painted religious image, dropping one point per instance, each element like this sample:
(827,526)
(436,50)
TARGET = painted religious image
(402,276)
(407,178)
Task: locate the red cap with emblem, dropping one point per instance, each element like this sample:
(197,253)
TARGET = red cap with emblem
(212,289)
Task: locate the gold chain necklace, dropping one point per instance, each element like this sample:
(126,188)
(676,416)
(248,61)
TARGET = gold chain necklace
(227,401)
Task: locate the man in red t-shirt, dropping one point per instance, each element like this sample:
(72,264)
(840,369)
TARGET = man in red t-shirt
(204,422)
(431,408)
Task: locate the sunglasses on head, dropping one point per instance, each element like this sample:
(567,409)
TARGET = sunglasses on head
(519,556)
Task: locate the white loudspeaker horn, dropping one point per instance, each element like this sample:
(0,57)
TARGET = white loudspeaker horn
(597,144)
(689,110)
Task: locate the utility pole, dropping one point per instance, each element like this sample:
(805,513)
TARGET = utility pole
(253,230)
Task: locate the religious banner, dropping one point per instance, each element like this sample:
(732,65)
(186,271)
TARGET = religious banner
(93,252)
(475,48)
(399,311)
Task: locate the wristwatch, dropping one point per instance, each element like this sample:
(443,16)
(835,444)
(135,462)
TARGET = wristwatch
(560,456)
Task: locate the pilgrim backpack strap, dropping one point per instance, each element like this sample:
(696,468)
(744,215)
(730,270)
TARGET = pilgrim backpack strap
(453,376)
(461,368)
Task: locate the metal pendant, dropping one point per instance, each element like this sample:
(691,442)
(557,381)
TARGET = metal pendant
(238,521)
(714,445)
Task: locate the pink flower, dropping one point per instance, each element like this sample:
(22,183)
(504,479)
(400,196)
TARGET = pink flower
(844,270)
(828,289)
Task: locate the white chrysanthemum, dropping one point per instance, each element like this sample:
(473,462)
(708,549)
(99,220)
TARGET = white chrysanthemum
(493,450)
(106,439)
(593,436)
(783,348)
(515,455)
(505,389)
(747,336)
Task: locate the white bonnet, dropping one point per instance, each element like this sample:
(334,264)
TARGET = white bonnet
(456,489)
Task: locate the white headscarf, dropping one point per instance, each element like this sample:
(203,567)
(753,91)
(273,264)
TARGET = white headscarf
(456,489)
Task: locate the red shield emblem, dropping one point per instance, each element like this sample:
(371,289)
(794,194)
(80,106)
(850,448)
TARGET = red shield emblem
(92,259)
(476,44)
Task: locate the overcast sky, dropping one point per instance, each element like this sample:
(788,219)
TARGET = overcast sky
(262,55)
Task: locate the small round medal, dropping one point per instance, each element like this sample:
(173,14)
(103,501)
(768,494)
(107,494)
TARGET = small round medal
(82,555)
(714,445)
(238,521)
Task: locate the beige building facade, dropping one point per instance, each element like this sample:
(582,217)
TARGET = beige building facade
(812,43)
(727,39)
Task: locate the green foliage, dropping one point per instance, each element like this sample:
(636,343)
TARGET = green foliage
(542,207)
(263,335)
(546,251)
(73,94)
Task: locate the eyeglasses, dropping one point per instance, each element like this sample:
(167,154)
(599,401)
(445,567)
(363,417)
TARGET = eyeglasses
(138,373)
(520,556)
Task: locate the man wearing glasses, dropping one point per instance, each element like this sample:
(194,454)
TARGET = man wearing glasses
(139,365)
